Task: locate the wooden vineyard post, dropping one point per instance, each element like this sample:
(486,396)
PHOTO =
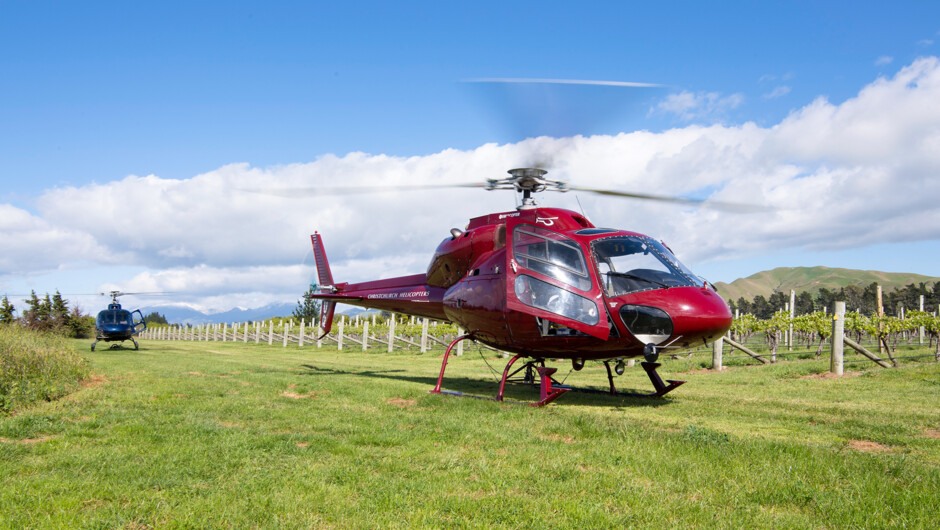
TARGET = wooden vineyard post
(342,320)
(365,334)
(391,333)
(270,332)
(838,339)
(459,344)
(792,315)
(717,351)
(300,342)
(921,331)
(257,331)
(224,331)
(424,335)
(881,314)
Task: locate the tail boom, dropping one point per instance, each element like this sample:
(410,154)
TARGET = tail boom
(410,295)
(406,294)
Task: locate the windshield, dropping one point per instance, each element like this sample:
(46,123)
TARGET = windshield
(628,264)
(551,254)
(114,317)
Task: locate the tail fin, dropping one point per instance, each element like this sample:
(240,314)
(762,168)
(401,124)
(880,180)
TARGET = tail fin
(325,278)
(323,265)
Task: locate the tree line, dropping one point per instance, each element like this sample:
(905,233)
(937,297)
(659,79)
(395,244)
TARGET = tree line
(48,313)
(859,299)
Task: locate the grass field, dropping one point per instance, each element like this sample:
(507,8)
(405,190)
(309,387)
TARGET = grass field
(201,434)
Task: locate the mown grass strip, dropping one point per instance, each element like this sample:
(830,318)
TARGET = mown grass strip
(189,434)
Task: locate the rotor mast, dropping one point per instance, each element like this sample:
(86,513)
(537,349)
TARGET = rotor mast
(527,180)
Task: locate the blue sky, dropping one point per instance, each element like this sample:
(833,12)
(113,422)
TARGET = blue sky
(92,93)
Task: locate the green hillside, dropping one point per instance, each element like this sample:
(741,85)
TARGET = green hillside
(812,279)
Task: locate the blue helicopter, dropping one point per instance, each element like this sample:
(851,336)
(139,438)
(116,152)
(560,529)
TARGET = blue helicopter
(115,324)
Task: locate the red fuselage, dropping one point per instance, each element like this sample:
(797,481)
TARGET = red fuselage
(544,282)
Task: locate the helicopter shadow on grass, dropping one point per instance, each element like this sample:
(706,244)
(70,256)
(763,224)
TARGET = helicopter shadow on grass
(486,390)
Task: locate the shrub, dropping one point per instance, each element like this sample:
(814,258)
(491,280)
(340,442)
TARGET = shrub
(35,367)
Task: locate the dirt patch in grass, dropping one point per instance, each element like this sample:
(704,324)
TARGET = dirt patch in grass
(700,371)
(401,403)
(932,433)
(558,438)
(302,444)
(308,395)
(93,503)
(28,441)
(830,375)
(868,446)
(94,380)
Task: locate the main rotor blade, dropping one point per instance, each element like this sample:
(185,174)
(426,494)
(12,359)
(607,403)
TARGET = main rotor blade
(355,190)
(705,203)
(544,81)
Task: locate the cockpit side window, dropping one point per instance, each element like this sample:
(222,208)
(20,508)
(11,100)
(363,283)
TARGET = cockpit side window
(629,264)
(551,254)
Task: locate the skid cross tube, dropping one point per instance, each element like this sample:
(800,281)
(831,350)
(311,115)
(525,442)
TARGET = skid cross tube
(547,393)
(662,388)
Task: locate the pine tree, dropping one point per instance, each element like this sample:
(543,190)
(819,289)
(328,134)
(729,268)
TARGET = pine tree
(308,308)
(59,312)
(45,313)
(33,311)
(6,311)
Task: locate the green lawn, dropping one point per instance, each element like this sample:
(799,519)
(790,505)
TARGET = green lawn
(202,434)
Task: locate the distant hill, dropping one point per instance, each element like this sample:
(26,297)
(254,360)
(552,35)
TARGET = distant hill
(186,315)
(812,279)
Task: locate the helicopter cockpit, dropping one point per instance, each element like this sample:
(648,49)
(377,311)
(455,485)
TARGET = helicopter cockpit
(559,258)
(629,264)
(114,316)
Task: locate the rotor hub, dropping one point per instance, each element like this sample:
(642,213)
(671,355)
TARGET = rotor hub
(526,180)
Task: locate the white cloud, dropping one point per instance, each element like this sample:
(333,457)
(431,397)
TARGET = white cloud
(690,106)
(845,175)
(883,60)
(32,243)
(777,92)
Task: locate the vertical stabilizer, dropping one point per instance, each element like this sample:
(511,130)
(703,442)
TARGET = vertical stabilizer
(325,278)
(324,275)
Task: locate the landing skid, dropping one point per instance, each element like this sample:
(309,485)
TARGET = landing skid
(661,388)
(549,388)
(115,346)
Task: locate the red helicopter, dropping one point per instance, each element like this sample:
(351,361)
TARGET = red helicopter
(545,283)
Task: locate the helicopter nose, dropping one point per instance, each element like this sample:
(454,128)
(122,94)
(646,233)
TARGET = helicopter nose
(686,315)
(700,314)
